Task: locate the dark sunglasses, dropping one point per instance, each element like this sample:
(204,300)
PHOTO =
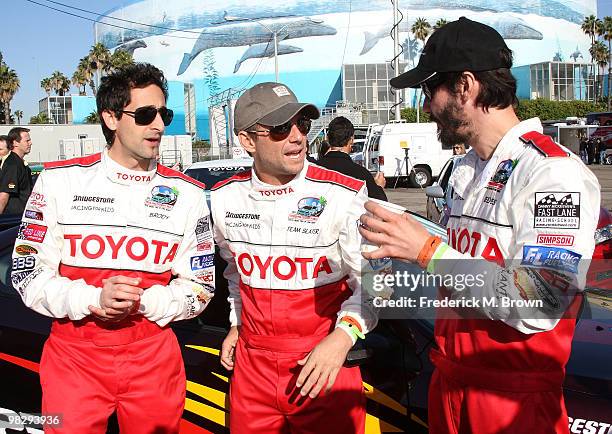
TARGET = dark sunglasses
(145,115)
(429,87)
(281,132)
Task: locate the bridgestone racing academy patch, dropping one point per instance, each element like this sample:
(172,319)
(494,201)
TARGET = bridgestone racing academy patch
(557,209)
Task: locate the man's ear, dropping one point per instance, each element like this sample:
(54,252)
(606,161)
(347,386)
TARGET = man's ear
(246,141)
(110,120)
(468,87)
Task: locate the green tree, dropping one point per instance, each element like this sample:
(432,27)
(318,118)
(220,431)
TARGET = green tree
(600,54)
(121,59)
(99,58)
(410,114)
(441,22)
(421,29)
(80,80)
(9,85)
(59,83)
(589,26)
(19,115)
(607,25)
(40,118)
(46,84)
(546,109)
(92,118)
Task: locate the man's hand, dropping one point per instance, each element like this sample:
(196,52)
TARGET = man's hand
(118,298)
(398,235)
(228,348)
(380,180)
(322,364)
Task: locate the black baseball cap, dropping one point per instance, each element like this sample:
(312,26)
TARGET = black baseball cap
(269,104)
(462,45)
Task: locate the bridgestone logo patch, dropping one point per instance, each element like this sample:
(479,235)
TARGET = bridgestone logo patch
(559,210)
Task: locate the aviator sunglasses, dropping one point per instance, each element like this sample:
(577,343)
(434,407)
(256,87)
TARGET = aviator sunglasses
(429,87)
(145,115)
(280,132)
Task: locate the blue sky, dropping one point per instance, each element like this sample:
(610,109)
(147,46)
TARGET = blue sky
(36,41)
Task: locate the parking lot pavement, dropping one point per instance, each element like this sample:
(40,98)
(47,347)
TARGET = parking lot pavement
(415,200)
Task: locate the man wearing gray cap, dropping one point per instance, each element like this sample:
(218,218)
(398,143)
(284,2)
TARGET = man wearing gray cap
(523,216)
(288,231)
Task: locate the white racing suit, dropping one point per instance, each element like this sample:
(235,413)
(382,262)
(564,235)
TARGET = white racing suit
(528,220)
(89,219)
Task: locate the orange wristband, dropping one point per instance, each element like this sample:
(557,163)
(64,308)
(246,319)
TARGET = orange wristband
(428,250)
(352,321)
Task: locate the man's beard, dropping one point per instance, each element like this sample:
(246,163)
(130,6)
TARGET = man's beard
(449,121)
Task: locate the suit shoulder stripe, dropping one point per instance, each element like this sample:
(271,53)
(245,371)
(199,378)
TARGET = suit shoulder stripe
(166,172)
(320,174)
(88,161)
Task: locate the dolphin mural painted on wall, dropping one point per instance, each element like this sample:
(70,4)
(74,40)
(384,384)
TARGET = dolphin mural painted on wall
(265,50)
(508,26)
(131,46)
(236,34)
(192,14)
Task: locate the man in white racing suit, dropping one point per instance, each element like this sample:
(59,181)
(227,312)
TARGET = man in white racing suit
(522,225)
(115,247)
(288,230)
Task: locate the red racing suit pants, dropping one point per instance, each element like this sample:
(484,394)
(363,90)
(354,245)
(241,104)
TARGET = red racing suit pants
(137,372)
(464,399)
(264,398)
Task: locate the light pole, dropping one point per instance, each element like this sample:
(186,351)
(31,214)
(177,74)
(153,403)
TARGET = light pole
(273,32)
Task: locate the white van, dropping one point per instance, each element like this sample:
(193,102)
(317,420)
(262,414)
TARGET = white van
(402,149)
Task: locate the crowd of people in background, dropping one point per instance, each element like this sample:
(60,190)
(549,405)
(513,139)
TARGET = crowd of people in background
(593,151)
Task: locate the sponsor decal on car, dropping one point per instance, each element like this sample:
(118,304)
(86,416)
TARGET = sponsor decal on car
(32,232)
(555,240)
(308,209)
(585,426)
(201,262)
(34,215)
(551,257)
(162,197)
(557,210)
(25,250)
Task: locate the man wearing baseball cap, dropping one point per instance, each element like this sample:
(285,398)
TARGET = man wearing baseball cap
(523,215)
(287,229)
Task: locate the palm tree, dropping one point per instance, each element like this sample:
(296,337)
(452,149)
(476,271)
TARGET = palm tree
(46,84)
(40,118)
(441,22)
(600,54)
(60,83)
(420,29)
(589,26)
(92,118)
(19,115)
(607,35)
(9,85)
(99,59)
(121,59)
(80,80)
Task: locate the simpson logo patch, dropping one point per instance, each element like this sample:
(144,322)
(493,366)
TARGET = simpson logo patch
(556,240)
(32,232)
(558,210)
(25,250)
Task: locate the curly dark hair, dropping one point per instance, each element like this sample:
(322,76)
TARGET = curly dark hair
(114,92)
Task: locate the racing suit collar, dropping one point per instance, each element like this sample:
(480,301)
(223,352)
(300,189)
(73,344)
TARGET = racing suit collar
(463,175)
(262,191)
(120,175)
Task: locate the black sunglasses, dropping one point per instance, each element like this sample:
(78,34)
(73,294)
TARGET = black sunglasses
(429,87)
(281,132)
(145,115)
